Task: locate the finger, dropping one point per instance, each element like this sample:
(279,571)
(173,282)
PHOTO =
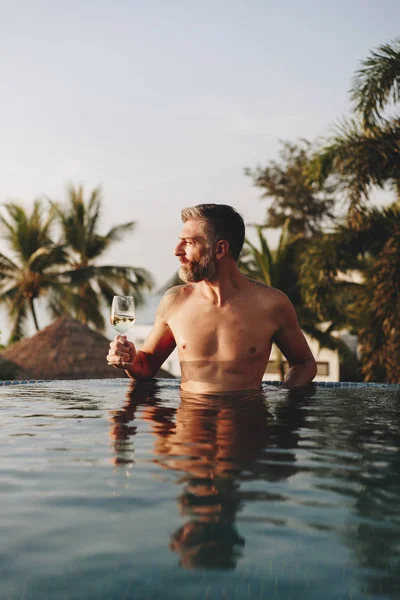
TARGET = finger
(121,351)
(123,347)
(117,365)
(120,344)
(117,361)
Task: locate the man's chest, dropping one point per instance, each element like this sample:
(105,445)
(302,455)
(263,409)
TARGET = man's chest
(227,333)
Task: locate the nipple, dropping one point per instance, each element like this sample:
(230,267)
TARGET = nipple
(252,349)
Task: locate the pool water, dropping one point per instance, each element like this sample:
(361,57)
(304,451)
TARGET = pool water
(108,492)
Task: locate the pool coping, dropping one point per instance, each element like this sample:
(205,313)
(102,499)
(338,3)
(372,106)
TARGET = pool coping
(324,384)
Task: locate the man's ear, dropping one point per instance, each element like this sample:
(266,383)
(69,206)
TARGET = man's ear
(222,248)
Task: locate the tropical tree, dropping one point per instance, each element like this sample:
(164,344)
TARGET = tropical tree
(371,308)
(280,269)
(91,285)
(33,268)
(377,83)
(365,151)
(307,202)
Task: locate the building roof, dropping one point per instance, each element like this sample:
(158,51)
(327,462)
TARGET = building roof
(66,349)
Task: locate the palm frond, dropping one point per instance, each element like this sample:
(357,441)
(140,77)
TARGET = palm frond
(46,257)
(257,263)
(116,234)
(7,266)
(26,232)
(87,308)
(377,82)
(87,284)
(361,158)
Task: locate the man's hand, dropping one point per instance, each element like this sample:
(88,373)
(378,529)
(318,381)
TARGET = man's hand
(121,353)
(145,363)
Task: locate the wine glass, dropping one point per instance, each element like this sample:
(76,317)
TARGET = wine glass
(122,313)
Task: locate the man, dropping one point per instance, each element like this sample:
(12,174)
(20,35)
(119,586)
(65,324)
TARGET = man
(222,322)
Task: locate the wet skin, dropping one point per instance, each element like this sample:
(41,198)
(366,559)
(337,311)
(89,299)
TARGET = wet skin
(223,327)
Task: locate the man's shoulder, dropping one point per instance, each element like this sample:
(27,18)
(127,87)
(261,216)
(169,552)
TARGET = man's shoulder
(274,301)
(259,284)
(266,289)
(172,296)
(177,291)
(270,297)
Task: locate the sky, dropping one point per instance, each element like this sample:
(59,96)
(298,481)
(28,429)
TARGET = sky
(164,104)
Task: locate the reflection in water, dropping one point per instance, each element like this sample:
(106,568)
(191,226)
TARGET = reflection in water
(216,442)
(122,428)
(298,497)
(364,434)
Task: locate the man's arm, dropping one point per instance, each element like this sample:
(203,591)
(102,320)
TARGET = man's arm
(292,343)
(158,345)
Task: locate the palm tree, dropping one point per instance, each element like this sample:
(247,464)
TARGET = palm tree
(365,151)
(33,268)
(279,269)
(361,158)
(371,308)
(91,283)
(377,83)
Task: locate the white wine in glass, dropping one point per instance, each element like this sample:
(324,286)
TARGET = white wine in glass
(122,313)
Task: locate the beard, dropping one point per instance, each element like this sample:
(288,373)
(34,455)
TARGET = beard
(205,268)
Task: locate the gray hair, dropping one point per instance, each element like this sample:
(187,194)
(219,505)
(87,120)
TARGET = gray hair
(223,222)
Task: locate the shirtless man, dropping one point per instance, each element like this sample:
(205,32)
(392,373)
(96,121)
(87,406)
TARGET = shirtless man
(222,322)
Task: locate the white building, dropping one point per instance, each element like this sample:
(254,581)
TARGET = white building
(327,363)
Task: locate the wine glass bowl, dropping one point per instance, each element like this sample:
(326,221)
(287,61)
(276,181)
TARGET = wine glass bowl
(122,313)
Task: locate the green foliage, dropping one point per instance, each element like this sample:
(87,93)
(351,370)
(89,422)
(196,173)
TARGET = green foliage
(307,202)
(65,272)
(377,83)
(360,159)
(277,268)
(371,308)
(280,269)
(88,285)
(365,151)
(34,266)
(379,334)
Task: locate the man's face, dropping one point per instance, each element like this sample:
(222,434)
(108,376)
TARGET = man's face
(195,253)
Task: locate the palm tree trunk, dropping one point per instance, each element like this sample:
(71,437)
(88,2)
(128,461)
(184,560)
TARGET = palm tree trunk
(82,315)
(32,307)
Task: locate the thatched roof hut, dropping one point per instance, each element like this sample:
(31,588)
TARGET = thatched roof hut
(66,349)
(9,370)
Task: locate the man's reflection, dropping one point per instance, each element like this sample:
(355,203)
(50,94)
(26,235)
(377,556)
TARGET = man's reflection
(122,428)
(216,442)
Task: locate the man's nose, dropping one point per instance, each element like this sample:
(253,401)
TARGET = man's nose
(179,249)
